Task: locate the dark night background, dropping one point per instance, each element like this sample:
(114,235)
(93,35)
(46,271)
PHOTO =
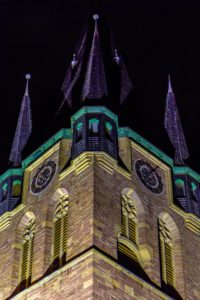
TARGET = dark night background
(155,38)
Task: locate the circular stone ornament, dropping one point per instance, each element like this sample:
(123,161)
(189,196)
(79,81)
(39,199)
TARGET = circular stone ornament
(148,176)
(43,177)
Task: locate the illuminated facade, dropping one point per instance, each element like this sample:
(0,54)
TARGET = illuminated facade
(94,228)
(98,212)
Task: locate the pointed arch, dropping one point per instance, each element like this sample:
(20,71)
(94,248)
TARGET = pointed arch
(16,188)
(132,212)
(132,240)
(170,253)
(23,251)
(60,220)
(180,188)
(27,254)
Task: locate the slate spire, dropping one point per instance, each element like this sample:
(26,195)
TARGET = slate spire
(94,86)
(125,82)
(87,72)
(173,127)
(74,69)
(23,130)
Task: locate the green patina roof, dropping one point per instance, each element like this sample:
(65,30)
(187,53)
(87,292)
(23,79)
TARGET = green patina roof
(127,132)
(94,109)
(11,172)
(122,132)
(63,133)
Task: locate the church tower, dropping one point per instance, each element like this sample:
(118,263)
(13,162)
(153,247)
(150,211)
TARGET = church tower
(98,212)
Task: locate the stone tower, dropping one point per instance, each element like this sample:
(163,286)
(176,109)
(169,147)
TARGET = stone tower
(98,212)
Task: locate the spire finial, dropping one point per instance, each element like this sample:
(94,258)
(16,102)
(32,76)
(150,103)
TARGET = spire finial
(28,77)
(95,17)
(169,85)
(116,57)
(74,61)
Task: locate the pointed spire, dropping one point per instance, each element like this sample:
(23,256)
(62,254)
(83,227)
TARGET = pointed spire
(74,69)
(169,85)
(173,127)
(95,82)
(24,126)
(125,84)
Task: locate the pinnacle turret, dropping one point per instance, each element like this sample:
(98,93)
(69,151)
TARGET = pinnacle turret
(174,128)
(23,129)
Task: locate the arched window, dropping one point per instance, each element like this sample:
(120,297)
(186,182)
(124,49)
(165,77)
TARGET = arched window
(133,252)
(79,131)
(195,191)
(109,129)
(4,191)
(171,262)
(129,218)
(94,127)
(60,232)
(16,188)
(166,253)
(27,254)
(180,188)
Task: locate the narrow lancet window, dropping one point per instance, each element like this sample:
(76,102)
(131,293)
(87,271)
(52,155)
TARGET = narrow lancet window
(166,253)
(194,191)
(109,131)
(16,188)
(129,219)
(180,188)
(79,131)
(60,232)
(27,255)
(4,191)
(94,127)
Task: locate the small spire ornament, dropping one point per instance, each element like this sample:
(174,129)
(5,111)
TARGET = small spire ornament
(95,17)
(74,61)
(116,57)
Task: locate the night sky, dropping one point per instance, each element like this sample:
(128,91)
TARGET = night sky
(154,37)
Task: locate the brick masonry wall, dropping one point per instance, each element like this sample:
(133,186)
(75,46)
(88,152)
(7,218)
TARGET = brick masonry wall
(91,276)
(113,282)
(73,282)
(188,245)
(94,218)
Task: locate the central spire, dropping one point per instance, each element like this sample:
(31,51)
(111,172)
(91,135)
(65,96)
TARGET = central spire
(87,71)
(94,86)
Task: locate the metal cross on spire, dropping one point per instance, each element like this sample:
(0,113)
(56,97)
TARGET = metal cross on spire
(173,127)
(23,130)
(94,86)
